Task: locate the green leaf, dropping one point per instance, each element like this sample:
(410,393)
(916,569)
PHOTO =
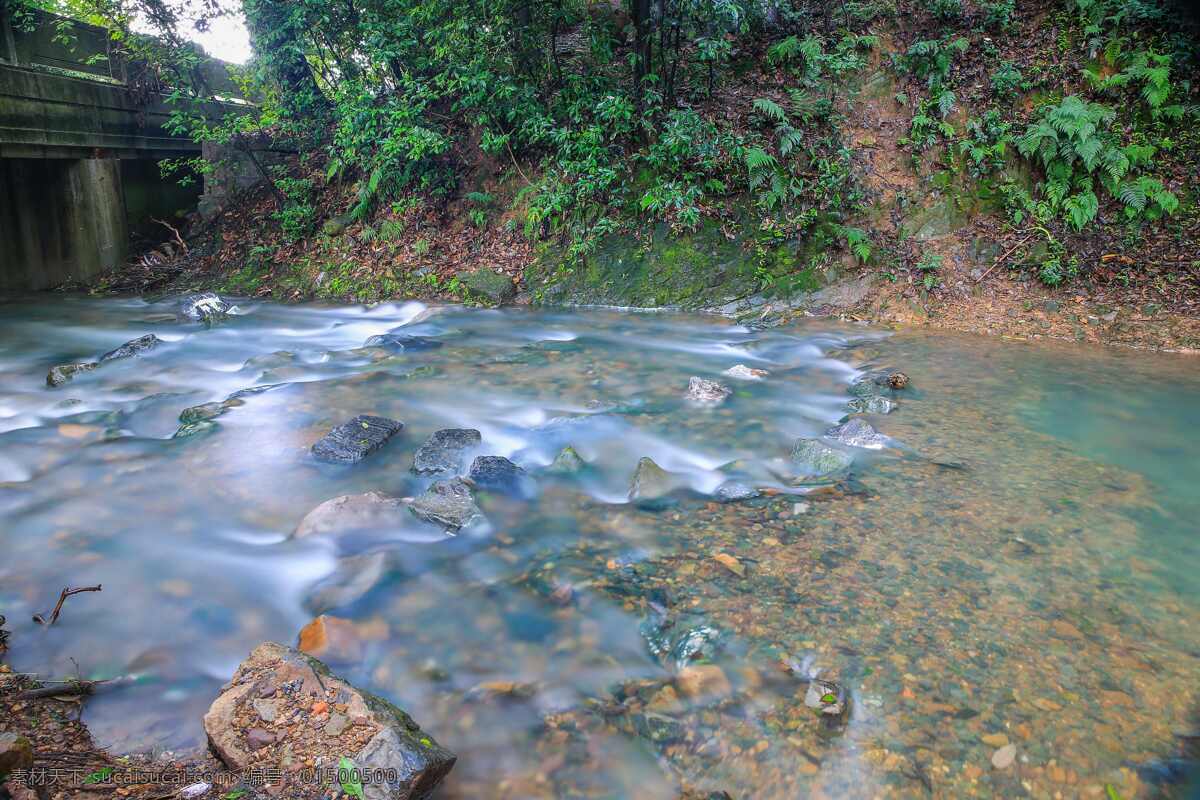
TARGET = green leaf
(346,780)
(99,776)
(770,109)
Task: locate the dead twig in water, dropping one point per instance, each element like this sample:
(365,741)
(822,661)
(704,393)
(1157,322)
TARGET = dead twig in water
(74,688)
(62,598)
(1000,260)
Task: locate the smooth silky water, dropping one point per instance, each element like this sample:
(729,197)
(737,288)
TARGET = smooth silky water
(1023,562)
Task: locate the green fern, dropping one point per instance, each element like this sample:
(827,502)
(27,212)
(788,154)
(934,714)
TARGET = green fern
(770,110)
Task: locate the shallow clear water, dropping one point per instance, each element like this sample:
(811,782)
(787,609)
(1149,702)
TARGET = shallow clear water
(1023,561)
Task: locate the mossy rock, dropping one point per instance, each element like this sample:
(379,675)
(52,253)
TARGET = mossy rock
(492,286)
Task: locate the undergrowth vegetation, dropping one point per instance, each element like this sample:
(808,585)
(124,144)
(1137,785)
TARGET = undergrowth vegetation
(569,121)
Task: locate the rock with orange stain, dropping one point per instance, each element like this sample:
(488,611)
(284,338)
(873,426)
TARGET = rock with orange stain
(331,639)
(699,681)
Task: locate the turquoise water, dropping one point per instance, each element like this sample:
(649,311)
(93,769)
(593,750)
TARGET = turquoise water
(1021,560)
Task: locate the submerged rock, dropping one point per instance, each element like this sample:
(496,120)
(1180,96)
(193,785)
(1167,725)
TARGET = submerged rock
(858,433)
(706,392)
(402,342)
(445,450)
(498,474)
(351,512)
(567,462)
(353,441)
(733,491)
(60,374)
(677,644)
(205,411)
(873,404)
(826,697)
(812,458)
(197,428)
(203,307)
(651,483)
(743,373)
(377,736)
(447,503)
(494,286)
(353,578)
(133,347)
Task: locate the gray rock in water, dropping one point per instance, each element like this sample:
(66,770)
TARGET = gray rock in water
(202,412)
(134,347)
(353,441)
(349,582)
(858,433)
(812,458)
(651,483)
(734,491)
(447,503)
(828,698)
(395,747)
(401,342)
(197,428)
(58,375)
(445,450)
(677,644)
(354,512)
(567,462)
(871,404)
(705,392)
(498,474)
(203,307)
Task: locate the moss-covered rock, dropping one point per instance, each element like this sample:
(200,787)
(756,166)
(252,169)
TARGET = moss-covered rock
(492,286)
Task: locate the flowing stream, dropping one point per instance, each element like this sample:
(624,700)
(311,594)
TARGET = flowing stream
(1019,565)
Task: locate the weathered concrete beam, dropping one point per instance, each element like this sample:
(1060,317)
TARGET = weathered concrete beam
(44,115)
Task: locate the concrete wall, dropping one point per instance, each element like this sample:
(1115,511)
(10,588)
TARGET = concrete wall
(148,195)
(60,220)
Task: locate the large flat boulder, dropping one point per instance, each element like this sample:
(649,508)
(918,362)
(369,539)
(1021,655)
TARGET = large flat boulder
(353,441)
(283,708)
(445,451)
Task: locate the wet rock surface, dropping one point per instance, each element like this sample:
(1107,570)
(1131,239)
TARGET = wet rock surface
(351,512)
(447,503)
(62,373)
(134,347)
(741,372)
(858,433)
(353,441)
(651,484)
(445,451)
(203,307)
(567,462)
(813,458)
(704,392)
(318,717)
(498,474)
(493,286)
(403,342)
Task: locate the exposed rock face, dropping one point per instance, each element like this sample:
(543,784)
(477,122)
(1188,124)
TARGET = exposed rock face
(58,375)
(705,392)
(858,433)
(445,451)
(375,735)
(812,458)
(651,483)
(498,474)
(567,462)
(353,441)
(134,347)
(401,342)
(204,307)
(743,373)
(447,503)
(351,512)
(492,285)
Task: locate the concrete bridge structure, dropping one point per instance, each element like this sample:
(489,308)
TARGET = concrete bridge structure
(79,146)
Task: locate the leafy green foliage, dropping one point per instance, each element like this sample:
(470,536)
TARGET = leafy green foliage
(930,60)
(1006,80)
(858,242)
(1073,143)
(349,778)
(997,14)
(946,10)
(986,144)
